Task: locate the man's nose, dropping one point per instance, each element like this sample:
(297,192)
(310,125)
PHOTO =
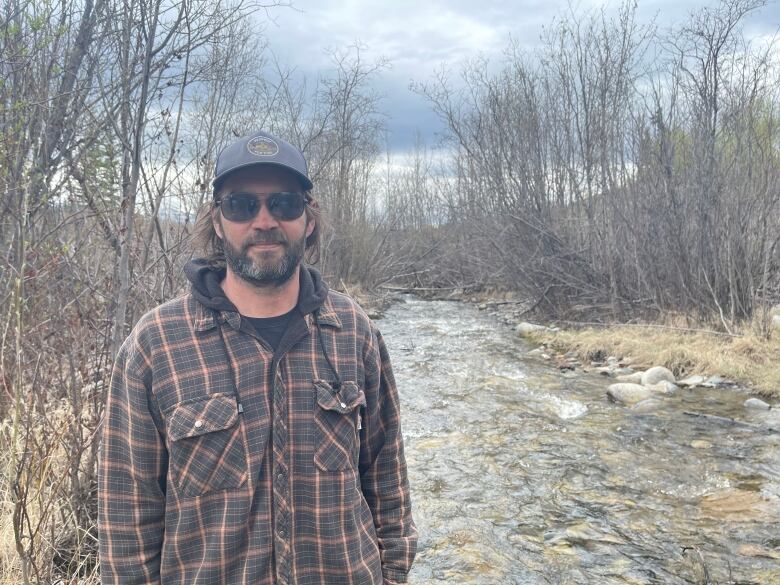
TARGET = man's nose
(264,220)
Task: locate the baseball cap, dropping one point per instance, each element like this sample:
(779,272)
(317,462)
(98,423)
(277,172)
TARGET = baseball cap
(260,148)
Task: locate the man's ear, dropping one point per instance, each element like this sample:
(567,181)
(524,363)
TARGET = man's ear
(311,220)
(310,223)
(215,221)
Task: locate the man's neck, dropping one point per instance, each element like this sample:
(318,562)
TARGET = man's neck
(254,301)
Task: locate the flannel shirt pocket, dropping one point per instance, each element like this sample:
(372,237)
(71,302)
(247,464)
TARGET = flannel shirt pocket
(207,451)
(337,415)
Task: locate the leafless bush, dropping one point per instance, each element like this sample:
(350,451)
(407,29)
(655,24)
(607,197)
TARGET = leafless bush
(622,170)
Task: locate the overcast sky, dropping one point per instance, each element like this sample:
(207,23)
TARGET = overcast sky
(418,37)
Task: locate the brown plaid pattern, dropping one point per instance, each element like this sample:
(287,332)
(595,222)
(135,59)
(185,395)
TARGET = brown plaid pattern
(262,475)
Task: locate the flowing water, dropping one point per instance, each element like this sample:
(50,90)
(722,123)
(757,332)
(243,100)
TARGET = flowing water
(521,474)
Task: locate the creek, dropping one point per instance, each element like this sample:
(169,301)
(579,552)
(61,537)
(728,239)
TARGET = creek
(522,474)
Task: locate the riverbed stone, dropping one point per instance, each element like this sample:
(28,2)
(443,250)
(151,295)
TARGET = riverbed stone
(754,550)
(692,381)
(526,328)
(628,394)
(736,504)
(756,404)
(664,387)
(635,378)
(647,405)
(701,444)
(714,382)
(657,374)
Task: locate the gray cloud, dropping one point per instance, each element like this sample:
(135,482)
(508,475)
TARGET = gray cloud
(418,37)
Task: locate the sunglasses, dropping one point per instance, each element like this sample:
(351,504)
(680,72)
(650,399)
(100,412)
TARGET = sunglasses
(244,207)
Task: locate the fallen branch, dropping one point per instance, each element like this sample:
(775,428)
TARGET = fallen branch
(426,289)
(650,326)
(732,421)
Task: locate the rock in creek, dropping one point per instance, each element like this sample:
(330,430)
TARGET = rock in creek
(664,387)
(635,378)
(756,404)
(714,382)
(692,381)
(700,444)
(628,394)
(647,405)
(657,374)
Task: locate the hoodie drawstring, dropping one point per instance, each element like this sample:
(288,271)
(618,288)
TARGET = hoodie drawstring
(337,384)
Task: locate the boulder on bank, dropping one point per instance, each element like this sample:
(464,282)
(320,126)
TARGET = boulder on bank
(756,404)
(628,394)
(657,374)
(525,328)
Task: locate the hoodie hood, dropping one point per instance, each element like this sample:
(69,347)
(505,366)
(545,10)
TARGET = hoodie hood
(207,289)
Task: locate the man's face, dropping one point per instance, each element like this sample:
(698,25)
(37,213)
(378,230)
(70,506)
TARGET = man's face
(264,251)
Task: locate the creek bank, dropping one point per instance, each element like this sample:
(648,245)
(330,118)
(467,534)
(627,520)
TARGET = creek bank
(694,359)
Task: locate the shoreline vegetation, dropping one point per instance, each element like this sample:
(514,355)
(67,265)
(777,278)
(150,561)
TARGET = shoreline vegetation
(748,361)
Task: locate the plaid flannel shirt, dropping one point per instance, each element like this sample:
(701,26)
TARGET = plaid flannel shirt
(224,463)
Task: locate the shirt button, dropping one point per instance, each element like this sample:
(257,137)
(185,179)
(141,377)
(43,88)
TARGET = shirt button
(198,424)
(343,405)
(282,533)
(280,477)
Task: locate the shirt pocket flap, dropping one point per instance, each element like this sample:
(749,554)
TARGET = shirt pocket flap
(206,415)
(344,401)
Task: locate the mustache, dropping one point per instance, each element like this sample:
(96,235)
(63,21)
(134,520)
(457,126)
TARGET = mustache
(265,237)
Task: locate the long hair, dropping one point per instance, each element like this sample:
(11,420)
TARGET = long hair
(205,237)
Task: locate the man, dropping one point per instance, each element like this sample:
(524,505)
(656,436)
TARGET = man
(252,429)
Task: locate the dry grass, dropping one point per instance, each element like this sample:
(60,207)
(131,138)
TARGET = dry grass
(749,360)
(47,507)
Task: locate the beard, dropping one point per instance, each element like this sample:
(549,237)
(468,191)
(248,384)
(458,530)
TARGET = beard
(269,273)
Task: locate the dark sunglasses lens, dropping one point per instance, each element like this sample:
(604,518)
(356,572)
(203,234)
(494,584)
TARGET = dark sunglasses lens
(240,207)
(286,206)
(243,207)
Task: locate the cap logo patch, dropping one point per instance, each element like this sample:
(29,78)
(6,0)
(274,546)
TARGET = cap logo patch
(262,146)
